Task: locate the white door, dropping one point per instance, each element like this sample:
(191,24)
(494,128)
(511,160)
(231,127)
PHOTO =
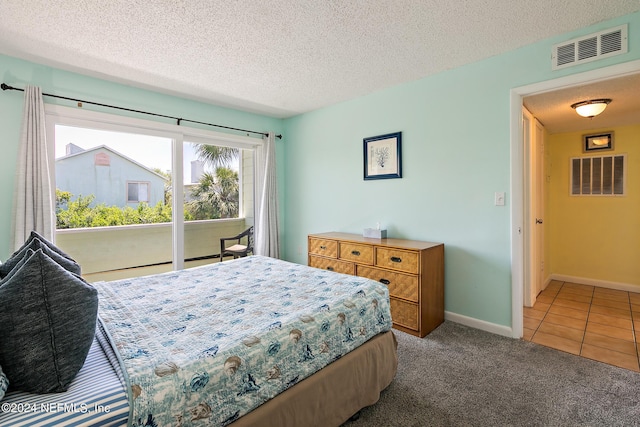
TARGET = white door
(533,138)
(537,188)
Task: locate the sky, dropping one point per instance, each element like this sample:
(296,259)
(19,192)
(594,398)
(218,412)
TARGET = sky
(150,151)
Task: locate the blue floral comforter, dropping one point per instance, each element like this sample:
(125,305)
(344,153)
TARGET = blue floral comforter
(214,342)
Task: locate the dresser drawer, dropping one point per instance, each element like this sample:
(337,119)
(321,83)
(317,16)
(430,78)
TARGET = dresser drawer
(332,265)
(362,254)
(323,247)
(400,285)
(404,313)
(397,259)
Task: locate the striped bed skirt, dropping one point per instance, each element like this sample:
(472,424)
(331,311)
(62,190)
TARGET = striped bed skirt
(96,397)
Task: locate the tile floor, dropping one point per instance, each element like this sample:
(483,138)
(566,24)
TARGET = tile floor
(588,321)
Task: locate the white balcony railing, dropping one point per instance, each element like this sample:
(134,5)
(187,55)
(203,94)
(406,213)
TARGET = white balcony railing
(108,253)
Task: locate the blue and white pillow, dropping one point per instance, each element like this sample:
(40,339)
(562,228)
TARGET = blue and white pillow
(4,384)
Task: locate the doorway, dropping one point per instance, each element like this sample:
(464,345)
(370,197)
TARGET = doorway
(521,186)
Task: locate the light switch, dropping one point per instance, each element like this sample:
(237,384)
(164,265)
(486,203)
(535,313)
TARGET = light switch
(499,198)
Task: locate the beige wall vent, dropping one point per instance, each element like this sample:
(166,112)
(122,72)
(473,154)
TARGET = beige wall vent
(601,176)
(591,47)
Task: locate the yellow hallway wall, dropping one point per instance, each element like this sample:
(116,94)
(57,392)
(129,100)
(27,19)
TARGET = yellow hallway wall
(593,237)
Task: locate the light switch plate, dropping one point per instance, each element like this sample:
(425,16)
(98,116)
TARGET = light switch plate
(499,198)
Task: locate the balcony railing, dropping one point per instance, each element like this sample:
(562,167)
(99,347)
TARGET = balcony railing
(109,253)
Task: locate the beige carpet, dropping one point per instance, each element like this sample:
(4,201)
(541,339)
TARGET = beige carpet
(460,376)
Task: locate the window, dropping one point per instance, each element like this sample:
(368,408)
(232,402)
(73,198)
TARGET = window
(102,175)
(138,197)
(137,192)
(598,176)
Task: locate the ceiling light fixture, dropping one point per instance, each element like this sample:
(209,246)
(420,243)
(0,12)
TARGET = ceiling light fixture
(590,108)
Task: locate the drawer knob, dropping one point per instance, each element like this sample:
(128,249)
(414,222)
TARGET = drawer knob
(356,253)
(323,247)
(396,259)
(330,268)
(385,281)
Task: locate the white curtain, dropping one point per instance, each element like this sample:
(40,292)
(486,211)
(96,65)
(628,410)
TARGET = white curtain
(267,240)
(32,200)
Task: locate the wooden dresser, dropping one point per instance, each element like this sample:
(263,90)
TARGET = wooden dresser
(412,270)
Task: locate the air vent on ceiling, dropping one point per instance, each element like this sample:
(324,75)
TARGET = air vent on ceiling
(590,47)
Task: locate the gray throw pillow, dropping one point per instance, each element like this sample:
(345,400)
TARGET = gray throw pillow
(35,235)
(34,243)
(47,324)
(18,264)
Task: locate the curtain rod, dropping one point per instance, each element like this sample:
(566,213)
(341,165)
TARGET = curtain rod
(177,119)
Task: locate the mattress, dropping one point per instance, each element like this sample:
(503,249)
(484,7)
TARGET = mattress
(212,343)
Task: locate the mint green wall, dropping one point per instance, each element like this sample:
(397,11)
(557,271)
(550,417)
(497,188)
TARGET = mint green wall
(455,155)
(18,73)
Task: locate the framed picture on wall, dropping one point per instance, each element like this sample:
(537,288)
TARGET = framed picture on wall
(597,142)
(382,156)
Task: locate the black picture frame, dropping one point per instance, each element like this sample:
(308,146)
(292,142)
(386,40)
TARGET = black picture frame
(383,156)
(598,142)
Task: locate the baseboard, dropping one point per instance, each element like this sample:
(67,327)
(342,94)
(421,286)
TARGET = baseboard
(629,287)
(508,331)
(479,324)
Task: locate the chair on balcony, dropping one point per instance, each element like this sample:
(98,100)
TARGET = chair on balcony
(242,245)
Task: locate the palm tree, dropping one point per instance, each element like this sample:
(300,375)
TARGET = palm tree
(227,192)
(216,196)
(216,156)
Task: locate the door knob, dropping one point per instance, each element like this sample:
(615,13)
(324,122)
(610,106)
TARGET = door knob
(538,221)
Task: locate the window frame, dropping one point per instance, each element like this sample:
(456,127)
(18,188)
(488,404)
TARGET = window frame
(179,134)
(139,183)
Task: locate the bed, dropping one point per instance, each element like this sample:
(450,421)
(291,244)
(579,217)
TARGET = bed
(252,341)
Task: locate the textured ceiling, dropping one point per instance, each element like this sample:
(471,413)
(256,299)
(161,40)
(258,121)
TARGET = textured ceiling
(281,57)
(553,109)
